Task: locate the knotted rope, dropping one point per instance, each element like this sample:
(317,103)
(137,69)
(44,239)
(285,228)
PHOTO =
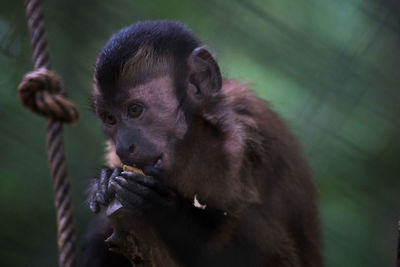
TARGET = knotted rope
(42,91)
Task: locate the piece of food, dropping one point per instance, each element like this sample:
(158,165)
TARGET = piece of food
(128,168)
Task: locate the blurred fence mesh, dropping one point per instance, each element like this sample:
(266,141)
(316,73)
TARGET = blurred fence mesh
(330,68)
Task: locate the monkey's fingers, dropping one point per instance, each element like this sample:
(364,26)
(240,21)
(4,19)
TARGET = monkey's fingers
(133,187)
(93,203)
(116,172)
(94,206)
(154,184)
(144,192)
(105,173)
(128,199)
(102,196)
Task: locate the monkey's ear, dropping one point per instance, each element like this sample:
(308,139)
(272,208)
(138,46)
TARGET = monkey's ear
(204,73)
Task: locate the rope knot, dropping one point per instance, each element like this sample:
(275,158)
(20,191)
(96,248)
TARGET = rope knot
(42,91)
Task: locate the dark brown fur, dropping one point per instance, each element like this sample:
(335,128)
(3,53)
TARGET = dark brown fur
(250,158)
(227,147)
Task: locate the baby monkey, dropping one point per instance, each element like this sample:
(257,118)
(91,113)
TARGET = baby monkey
(224,182)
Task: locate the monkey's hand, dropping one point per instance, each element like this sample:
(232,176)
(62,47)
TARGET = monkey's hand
(99,193)
(186,229)
(144,196)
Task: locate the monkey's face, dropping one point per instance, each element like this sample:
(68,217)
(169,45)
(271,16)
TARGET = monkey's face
(144,123)
(140,110)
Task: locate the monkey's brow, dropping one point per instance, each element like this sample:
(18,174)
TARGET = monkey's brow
(104,101)
(101,101)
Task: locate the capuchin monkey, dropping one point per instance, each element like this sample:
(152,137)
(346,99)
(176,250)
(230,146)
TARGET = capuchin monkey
(224,182)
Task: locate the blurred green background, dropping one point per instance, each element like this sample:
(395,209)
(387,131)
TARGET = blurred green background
(330,68)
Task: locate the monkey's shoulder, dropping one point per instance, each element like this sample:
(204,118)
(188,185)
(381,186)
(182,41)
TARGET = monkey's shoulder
(251,110)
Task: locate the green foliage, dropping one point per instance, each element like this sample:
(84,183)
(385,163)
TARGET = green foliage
(330,68)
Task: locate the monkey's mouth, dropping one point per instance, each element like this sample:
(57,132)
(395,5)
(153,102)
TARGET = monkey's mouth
(149,169)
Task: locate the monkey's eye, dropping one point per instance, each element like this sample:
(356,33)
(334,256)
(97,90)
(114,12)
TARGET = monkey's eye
(108,118)
(135,110)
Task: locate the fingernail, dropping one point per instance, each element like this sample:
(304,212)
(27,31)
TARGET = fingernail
(120,180)
(127,175)
(94,207)
(111,185)
(100,198)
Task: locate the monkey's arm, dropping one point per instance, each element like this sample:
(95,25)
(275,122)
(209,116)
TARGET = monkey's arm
(189,232)
(93,252)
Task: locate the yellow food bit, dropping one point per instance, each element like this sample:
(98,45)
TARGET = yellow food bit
(127,168)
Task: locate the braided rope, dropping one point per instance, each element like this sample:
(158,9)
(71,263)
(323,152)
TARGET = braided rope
(42,91)
(398,245)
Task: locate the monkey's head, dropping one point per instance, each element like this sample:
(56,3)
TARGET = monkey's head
(151,82)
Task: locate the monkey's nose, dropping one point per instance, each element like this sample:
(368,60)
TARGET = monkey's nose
(125,151)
